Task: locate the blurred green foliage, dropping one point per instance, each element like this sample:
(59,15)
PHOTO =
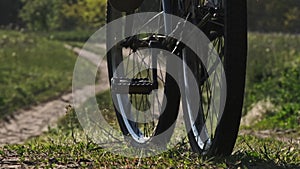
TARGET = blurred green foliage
(274,15)
(63,14)
(263,15)
(270,54)
(273,74)
(86,12)
(42,14)
(79,35)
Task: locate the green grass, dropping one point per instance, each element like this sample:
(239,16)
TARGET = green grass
(33,69)
(68,146)
(75,35)
(273,63)
(250,152)
(270,54)
(77,38)
(287,117)
(273,74)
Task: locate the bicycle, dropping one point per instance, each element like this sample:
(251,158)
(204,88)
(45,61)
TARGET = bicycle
(136,89)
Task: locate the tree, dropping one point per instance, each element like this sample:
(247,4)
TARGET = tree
(63,14)
(86,12)
(292,19)
(42,14)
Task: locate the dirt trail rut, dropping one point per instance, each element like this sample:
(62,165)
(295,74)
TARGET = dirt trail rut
(32,122)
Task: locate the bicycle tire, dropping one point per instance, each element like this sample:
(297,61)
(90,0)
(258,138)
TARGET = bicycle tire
(171,91)
(233,56)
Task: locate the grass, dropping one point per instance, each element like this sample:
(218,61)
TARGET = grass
(273,73)
(270,54)
(33,69)
(67,146)
(77,38)
(69,36)
(287,117)
(273,60)
(84,154)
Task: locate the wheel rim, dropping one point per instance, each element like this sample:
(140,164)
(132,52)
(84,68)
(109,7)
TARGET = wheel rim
(202,128)
(140,112)
(204,125)
(159,126)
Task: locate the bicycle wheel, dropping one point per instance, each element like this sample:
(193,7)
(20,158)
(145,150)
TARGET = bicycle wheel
(146,98)
(214,132)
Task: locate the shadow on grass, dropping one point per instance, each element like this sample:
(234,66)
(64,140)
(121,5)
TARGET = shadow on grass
(251,160)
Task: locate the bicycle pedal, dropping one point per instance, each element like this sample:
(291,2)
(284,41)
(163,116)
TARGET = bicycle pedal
(131,86)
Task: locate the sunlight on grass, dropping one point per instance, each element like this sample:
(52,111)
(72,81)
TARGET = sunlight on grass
(35,70)
(68,146)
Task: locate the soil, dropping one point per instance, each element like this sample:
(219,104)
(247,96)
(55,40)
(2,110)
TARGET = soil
(256,114)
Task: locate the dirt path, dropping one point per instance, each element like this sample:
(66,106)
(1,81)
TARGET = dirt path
(288,136)
(26,124)
(256,114)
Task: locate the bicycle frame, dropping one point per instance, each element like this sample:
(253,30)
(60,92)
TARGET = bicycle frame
(167,9)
